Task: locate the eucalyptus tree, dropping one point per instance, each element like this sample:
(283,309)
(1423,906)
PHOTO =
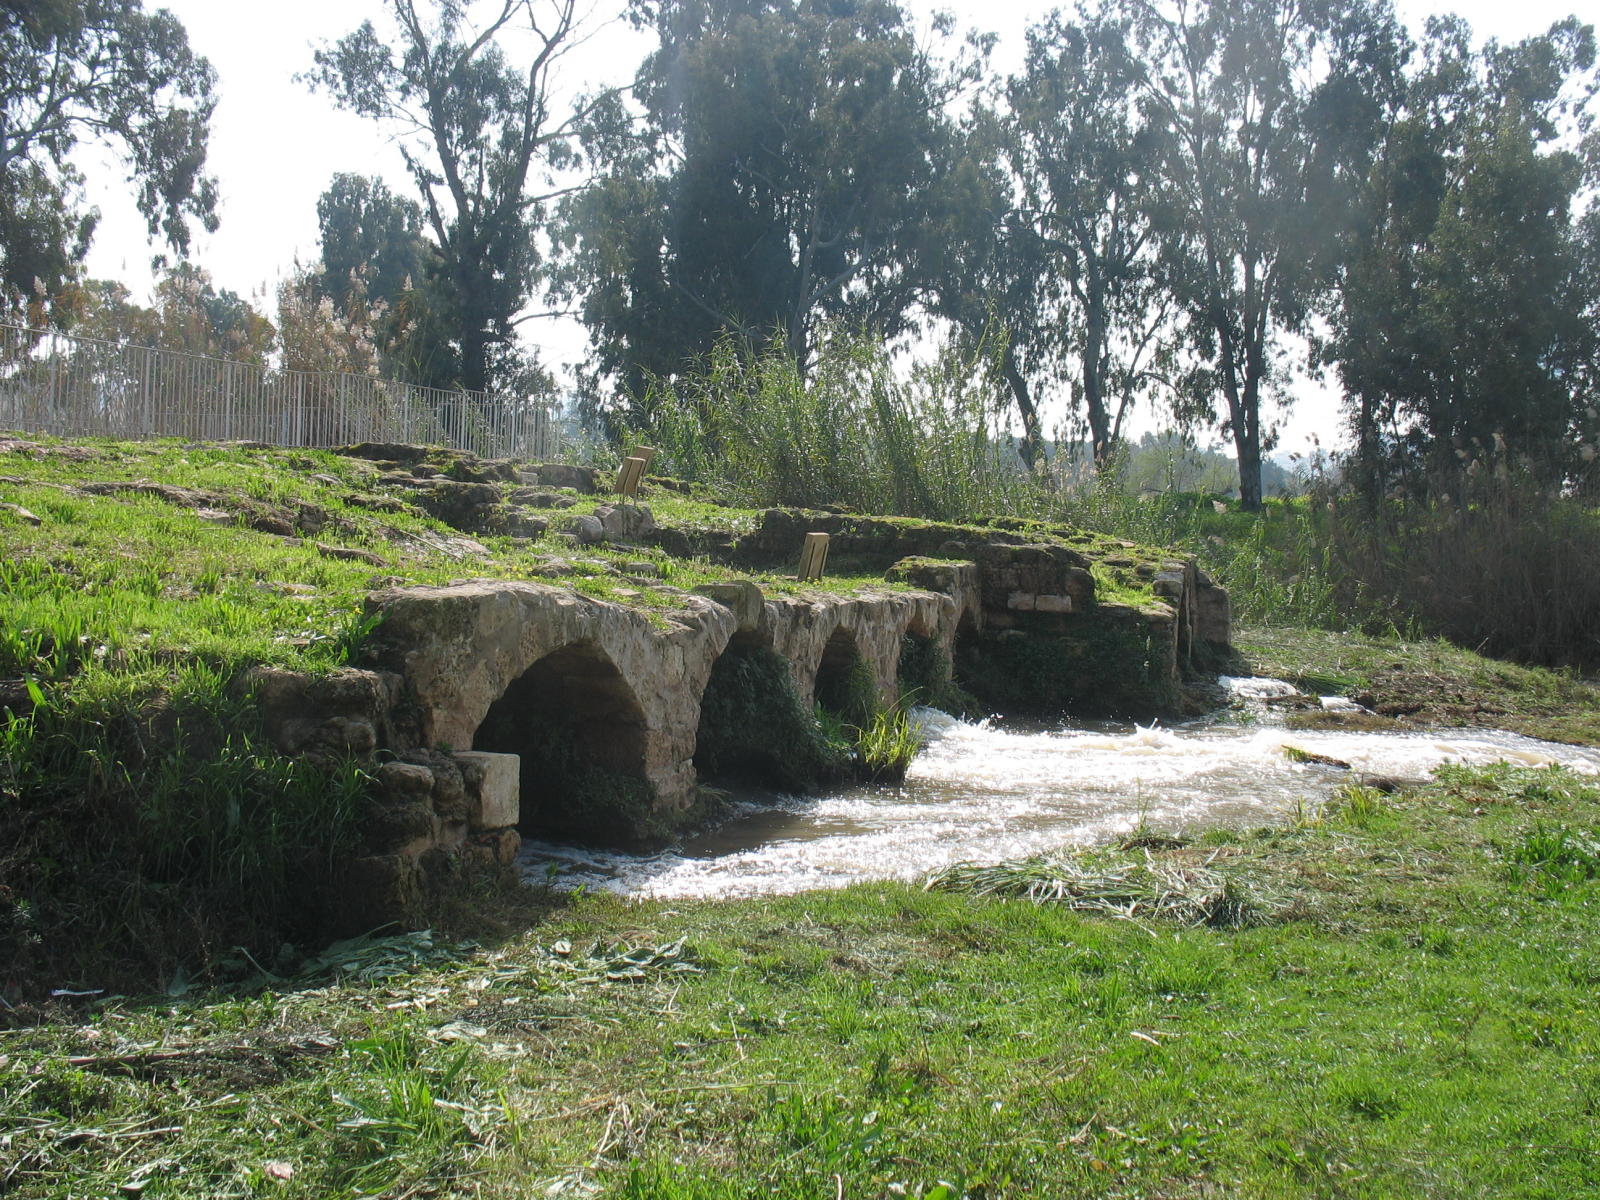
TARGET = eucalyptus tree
(984,276)
(1466,321)
(367,232)
(783,175)
(104,71)
(1083,230)
(1268,109)
(474,109)
(385,274)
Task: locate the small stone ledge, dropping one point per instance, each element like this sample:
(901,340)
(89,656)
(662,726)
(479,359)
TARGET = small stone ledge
(741,597)
(494,788)
(343,712)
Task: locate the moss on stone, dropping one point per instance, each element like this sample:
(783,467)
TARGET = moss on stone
(1103,668)
(755,726)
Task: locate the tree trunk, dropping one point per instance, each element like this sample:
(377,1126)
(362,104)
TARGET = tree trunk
(1094,392)
(1244,407)
(475,337)
(474,360)
(1032,442)
(1247,446)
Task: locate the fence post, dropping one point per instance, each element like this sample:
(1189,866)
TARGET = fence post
(146,400)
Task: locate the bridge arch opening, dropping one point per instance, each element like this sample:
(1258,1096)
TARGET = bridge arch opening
(580,733)
(845,686)
(923,675)
(755,727)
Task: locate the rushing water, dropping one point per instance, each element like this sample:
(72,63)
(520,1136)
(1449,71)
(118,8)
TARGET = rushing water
(990,791)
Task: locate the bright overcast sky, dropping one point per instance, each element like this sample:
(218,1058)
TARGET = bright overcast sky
(274,145)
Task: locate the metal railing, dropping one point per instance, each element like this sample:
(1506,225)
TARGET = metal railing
(55,383)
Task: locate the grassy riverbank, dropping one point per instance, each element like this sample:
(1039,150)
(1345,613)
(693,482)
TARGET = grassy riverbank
(1399,1002)
(1428,682)
(1394,997)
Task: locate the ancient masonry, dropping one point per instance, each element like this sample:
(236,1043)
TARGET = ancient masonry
(463,679)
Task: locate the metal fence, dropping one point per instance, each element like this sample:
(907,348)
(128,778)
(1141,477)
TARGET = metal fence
(53,383)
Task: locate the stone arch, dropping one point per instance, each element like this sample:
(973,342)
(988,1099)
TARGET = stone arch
(582,738)
(844,680)
(969,622)
(923,670)
(754,725)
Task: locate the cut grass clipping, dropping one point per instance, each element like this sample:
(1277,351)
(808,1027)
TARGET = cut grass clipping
(1117,884)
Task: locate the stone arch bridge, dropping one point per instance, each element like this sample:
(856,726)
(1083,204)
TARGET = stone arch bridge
(475,689)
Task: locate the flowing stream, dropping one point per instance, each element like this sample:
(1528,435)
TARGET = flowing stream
(989,790)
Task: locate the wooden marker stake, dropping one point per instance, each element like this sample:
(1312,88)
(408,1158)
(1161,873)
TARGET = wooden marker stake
(813,556)
(629,476)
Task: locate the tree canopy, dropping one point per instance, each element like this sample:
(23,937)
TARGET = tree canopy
(1083,231)
(477,125)
(382,273)
(1189,203)
(1465,324)
(102,70)
(785,174)
(1267,111)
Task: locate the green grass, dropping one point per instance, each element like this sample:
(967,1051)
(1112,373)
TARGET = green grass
(145,825)
(1427,681)
(107,576)
(1392,997)
(886,745)
(1407,1019)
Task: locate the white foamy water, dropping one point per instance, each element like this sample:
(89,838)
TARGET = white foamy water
(987,791)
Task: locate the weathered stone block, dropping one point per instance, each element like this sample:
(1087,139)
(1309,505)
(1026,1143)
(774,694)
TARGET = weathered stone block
(579,479)
(336,735)
(1053,604)
(503,844)
(449,791)
(625,522)
(1213,618)
(1078,583)
(1169,584)
(1022,601)
(534,497)
(379,889)
(401,780)
(402,827)
(523,526)
(336,712)
(740,596)
(494,788)
(586,530)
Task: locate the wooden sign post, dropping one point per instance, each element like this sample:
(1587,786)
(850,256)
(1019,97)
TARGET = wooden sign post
(628,477)
(648,453)
(813,556)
